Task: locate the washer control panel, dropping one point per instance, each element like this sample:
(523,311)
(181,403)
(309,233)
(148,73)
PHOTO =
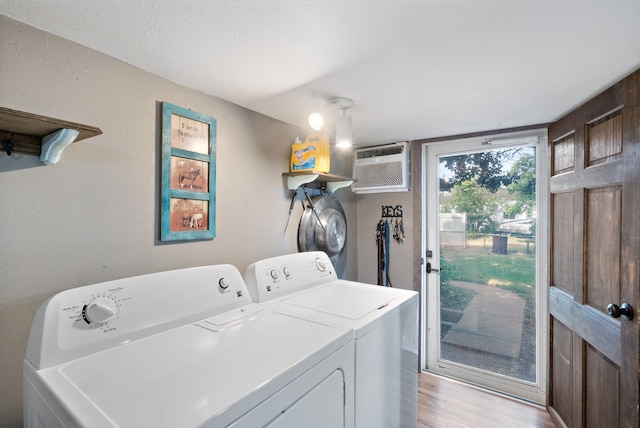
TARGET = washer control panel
(270,278)
(95,310)
(87,319)
(100,311)
(321,264)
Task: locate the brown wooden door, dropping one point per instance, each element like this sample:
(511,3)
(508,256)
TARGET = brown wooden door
(595,255)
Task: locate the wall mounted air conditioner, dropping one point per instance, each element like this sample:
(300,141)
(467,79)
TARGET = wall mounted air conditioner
(381,168)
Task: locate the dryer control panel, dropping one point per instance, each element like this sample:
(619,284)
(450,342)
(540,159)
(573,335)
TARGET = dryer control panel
(84,320)
(278,276)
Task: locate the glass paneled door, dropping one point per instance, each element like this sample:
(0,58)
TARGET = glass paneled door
(481,248)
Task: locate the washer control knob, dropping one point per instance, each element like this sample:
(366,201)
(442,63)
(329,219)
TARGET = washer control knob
(274,274)
(99,311)
(287,271)
(321,265)
(223,283)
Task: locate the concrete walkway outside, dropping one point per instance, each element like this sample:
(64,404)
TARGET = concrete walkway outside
(492,322)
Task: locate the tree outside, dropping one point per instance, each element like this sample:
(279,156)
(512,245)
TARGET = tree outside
(489,187)
(477,202)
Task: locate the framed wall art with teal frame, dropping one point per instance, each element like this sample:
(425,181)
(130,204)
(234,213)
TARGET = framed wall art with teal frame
(188,175)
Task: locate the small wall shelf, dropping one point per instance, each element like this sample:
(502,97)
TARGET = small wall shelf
(315,179)
(25,131)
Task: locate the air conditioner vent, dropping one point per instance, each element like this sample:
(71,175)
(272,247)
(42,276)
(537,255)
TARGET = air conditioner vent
(381,169)
(372,153)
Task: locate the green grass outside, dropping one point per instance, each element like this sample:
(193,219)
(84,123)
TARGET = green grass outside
(511,271)
(514,271)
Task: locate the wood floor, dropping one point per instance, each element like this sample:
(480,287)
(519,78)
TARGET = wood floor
(448,403)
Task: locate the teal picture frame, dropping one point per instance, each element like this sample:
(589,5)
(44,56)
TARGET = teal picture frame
(188,175)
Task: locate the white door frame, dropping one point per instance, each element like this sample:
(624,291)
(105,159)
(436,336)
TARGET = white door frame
(429,284)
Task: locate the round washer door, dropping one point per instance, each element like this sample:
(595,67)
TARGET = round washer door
(331,235)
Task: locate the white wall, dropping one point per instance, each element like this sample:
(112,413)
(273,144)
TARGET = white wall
(95,215)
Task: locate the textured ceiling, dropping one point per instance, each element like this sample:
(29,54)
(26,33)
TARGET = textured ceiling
(415,68)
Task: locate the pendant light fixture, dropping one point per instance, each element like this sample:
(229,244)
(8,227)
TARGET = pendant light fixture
(344,134)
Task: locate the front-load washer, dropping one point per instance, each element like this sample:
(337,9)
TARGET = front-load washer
(384,322)
(183,348)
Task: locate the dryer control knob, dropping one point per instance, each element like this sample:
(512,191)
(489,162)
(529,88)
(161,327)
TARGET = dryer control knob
(274,274)
(287,271)
(223,283)
(99,311)
(320,265)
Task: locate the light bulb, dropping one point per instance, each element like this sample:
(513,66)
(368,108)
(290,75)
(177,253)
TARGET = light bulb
(316,121)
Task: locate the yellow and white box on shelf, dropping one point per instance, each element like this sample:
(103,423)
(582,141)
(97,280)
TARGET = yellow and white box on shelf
(312,155)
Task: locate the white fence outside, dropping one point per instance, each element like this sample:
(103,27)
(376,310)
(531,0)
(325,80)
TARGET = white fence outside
(453,229)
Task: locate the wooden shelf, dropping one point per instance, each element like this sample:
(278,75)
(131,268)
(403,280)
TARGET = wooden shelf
(25,130)
(315,179)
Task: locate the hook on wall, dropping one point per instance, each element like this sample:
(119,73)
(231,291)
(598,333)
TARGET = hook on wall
(391,212)
(8,145)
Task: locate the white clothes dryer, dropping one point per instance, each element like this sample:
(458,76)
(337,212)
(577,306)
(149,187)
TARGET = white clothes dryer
(384,322)
(183,348)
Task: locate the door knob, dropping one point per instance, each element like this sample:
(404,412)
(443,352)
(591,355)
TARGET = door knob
(616,311)
(430,269)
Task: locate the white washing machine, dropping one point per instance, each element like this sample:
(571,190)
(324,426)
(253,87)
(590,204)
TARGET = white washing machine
(384,322)
(183,348)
